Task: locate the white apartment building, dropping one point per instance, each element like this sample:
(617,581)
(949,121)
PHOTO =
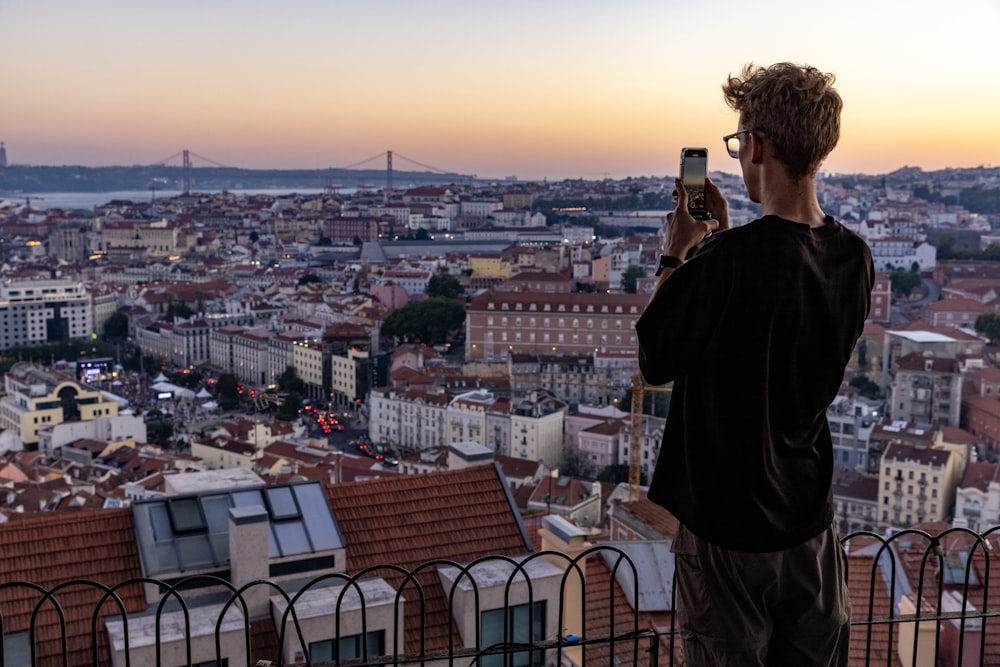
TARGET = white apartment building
(115,428)
(902,253)
(411,418)
(479,208)
(977,499)
(281,353)
(852,421)
(190,344)
(251,356)
(536,429)
(465,417)
(155,339)
(601,443)
(414,282)
(40,311)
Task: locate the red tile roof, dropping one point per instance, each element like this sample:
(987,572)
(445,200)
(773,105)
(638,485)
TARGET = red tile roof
(49,549)
(610,614)
(412,520)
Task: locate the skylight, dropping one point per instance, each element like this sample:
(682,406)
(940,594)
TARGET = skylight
(185,533)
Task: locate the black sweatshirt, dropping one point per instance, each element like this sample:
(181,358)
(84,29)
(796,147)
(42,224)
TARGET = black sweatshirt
(755,332)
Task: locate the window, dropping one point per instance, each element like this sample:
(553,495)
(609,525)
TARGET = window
(525,624)
(350,647)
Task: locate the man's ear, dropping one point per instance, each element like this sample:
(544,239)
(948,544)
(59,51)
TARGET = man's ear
(756,149)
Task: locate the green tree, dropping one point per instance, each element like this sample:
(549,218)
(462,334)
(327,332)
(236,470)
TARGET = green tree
(159,432)
(618,474)
(181,310)
(290,406)
(904,282)
(866,387)
(116,327)
(189,380)
(654,403)
(428,322)
(289,381)
(226,392)
(574,463)
(630,276)
(308,278)
(988,324)
(443,285)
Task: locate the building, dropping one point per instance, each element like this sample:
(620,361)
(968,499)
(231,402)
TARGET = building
(917,483)
(927,390)
(499,323)
(977,499)
(536,428)
(414,419)
(37,399)
(852,421)
(42,311)
(855,501)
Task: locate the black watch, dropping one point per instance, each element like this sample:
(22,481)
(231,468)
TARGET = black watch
(667,262)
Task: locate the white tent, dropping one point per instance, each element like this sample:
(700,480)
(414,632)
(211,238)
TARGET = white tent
(211,405)
(203,394)
(179,392)
(160,378)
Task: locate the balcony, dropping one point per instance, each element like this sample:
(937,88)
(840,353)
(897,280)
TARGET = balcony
(917,599)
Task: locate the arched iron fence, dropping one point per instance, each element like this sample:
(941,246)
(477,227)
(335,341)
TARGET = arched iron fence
(916,599)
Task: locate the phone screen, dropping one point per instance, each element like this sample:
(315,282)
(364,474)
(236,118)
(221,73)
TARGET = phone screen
(694,170)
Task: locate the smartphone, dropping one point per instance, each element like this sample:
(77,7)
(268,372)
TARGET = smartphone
(694,171)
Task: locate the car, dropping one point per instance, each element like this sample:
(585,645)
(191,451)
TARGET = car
(338,427)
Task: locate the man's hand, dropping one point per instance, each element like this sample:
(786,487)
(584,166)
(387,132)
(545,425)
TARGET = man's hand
(683,231)
(716,204)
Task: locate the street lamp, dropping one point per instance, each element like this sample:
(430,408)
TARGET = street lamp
(554,473)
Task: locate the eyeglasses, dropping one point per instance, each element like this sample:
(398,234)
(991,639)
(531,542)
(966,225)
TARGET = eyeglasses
(733,142)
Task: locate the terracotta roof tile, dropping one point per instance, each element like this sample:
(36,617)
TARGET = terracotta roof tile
(454,515)
(609,613)
(45,549)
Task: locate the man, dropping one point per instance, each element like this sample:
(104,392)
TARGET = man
(755,331)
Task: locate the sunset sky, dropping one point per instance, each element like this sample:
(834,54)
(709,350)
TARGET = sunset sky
(542,89)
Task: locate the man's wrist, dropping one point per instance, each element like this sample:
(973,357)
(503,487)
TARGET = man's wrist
(668,262)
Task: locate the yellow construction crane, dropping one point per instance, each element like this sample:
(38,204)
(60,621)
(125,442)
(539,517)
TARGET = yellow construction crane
(635,435)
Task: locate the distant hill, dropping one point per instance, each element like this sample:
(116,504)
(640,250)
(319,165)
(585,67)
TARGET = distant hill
(19,178)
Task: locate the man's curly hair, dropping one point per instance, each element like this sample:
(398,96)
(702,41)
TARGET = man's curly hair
(795,107)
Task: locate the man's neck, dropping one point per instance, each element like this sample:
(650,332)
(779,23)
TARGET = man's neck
(793,200)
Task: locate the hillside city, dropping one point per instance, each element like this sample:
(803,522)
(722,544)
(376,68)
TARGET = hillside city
(225,341)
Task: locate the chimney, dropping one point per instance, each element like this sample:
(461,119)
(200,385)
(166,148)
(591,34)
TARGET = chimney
(559,535)
(248,558)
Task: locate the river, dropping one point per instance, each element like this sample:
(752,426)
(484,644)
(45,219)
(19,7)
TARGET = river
(88,200)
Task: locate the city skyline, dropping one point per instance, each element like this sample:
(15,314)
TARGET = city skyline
(547,90)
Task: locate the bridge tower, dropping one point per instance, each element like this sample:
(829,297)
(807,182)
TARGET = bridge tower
(388,171)
(186,175)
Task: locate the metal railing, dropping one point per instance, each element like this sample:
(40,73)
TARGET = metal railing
(927,597)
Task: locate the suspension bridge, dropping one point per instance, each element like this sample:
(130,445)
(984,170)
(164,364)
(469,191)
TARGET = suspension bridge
(185,158)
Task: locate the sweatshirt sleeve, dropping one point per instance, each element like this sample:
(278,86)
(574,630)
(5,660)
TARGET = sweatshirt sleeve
(674,329)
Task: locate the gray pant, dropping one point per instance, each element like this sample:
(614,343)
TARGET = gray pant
(781,608)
